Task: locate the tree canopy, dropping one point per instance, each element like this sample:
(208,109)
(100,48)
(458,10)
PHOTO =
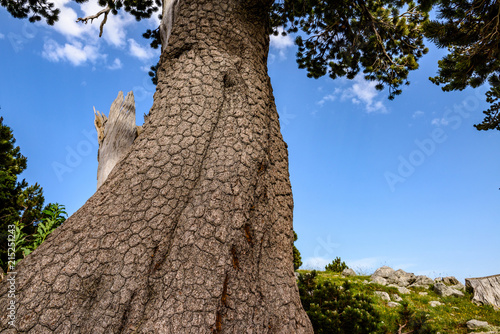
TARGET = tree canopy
(383,39)
(18,201)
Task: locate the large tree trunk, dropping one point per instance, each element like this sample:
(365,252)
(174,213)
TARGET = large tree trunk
(192,230)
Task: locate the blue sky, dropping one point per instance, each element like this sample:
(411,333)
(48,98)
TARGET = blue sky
(406,183)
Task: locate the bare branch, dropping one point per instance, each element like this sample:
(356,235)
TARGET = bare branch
(105,11)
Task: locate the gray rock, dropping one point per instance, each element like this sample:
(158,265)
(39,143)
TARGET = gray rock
(486,290)
(458,286)
(435,303)
(383,272)
(450,280)
(348,272)
(395,277)
(403,290)
(383,295)
(396,298)
(423,293)
(379,280)
(475,324)
(393,304)
(442,290)
(422,282)
(402,278)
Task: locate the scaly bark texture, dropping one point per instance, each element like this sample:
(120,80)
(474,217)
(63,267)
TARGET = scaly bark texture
(192,230)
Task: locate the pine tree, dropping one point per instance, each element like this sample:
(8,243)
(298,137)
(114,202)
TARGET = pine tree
(471,32)
(192,230)
(19,202)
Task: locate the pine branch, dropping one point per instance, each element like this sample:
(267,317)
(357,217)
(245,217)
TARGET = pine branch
(105,11)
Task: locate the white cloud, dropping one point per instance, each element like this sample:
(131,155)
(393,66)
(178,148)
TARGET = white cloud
(361,92)
(440,122)
(330,97)
(281,43)
(114,32)
(2,36)
(117,64)
(364,91)
(317,263)
(418,114)
(75,53)
(138,51)
(66,25)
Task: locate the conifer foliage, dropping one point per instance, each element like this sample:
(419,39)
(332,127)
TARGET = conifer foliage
(335,309)
(470,29)
(384,38)
(20,203)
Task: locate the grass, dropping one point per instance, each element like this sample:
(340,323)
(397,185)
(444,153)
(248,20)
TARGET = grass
(450,318)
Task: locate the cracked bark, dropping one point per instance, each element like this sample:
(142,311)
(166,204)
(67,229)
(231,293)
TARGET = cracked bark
(192,231)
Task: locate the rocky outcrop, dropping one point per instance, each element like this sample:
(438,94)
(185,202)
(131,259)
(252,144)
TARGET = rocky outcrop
(445,291)
(348,272)
(447,286)
(399,278)
(421,281)
(486,290)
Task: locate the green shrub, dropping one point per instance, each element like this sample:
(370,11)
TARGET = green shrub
(335,309)
(337,266)
(413,322)
(53,216)
(297,260)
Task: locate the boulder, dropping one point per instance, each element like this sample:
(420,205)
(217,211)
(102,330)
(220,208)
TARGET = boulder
(348,272)
(450,280)
(396,298)
(383,272)
(404,290)
(386,275)
(422,281)
(435,303)
(476,324)
(443,290)
(393,304)
(379,280)
(402,278)
(486,290)
(383,295)
(458,286)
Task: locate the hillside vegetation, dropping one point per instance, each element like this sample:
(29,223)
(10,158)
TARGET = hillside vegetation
(420,311)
